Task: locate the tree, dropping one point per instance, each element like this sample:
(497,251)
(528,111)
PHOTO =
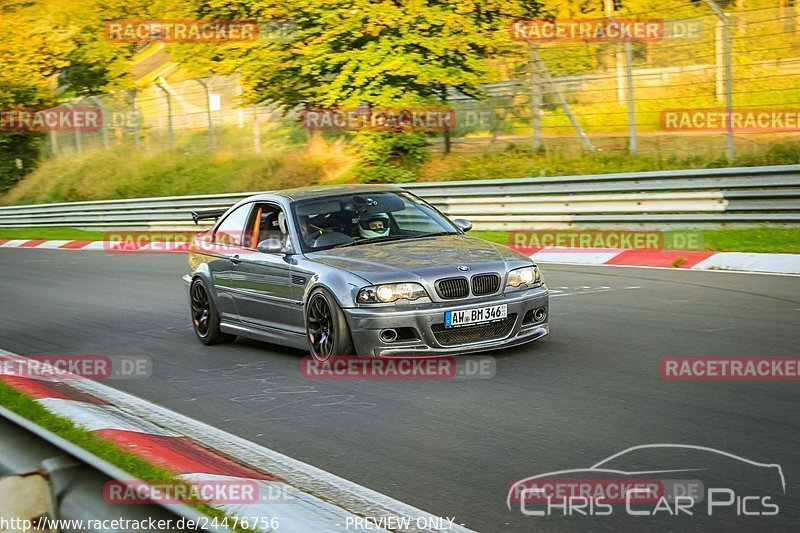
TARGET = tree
(352,53)
(54,49)
(32,55)
(349,52)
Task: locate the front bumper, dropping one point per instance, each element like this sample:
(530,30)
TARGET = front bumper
(426,321)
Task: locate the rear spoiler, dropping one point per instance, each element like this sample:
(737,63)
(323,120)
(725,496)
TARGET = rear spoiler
(208,214)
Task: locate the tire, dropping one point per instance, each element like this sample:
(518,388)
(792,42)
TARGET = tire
(327,333)
(205,316)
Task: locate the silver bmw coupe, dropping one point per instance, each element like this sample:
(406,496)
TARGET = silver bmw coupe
(359,270)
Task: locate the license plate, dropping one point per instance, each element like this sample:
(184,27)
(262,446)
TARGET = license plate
(479,315)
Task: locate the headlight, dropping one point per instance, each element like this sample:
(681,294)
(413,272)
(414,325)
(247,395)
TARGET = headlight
(523,276)
(390,292)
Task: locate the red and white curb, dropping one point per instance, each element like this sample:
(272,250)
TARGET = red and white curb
(681,259)
(108,246)
(302,497)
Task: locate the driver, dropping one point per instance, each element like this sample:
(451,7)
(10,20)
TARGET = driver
(371,225)
(308,231)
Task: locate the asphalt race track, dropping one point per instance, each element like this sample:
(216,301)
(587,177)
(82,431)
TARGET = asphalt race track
(452,447)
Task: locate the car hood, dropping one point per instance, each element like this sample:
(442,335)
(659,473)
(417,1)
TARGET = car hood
(425,259)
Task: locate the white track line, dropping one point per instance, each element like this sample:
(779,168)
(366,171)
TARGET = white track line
(671,269)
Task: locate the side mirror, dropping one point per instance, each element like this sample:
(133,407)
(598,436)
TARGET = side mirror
(271,246)
(463,224)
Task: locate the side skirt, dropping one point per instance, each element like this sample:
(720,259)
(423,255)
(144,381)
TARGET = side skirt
(275,336)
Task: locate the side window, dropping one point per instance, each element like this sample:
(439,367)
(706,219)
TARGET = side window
(231,228)
(266,222)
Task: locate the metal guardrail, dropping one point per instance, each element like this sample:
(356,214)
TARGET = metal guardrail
(76,479)
(705,197)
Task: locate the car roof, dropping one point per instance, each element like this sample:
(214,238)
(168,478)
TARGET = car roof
(321,191)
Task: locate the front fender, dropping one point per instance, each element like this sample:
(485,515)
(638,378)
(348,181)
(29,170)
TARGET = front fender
(343,286)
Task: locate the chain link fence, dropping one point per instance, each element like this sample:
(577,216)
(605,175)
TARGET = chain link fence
(202,114)
(667,95)
(616,96)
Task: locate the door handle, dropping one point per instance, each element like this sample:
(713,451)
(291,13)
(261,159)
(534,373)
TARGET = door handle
(235,259)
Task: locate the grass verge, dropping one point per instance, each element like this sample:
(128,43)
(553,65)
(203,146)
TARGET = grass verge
(128,173)
(27,407)
(518,161)
(51,234)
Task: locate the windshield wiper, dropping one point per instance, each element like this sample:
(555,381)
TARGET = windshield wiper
(435,234)
(370,240)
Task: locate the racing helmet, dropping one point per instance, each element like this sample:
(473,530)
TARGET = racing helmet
(371,225)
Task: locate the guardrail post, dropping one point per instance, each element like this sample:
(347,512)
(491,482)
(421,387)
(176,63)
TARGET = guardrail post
(210,118)
(135,119)
(256,131)
(171,138)
(719,62)
(54,141)
(78,140)
(631,101)
(608,8)
(536,101)
(447,140)
(725,33)
(239,109)
(587,144)
(104,126)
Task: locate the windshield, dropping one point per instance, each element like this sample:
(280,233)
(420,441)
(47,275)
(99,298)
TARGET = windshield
(354,219)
